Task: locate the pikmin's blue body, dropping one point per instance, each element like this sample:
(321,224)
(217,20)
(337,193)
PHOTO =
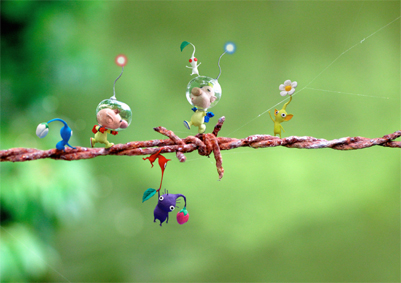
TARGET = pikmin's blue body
(165,205)
(65,133)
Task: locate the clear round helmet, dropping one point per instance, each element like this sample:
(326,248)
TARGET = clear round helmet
(123,109)
(200,82)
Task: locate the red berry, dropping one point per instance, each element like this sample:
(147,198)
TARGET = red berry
(182,218)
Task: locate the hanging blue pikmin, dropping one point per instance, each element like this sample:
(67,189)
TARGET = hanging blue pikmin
(65,132)
(166,202)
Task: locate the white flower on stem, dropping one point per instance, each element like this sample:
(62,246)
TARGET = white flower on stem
(287,88)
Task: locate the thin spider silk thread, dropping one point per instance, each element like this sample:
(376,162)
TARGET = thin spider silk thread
(328,66)
(358,94)
(265,112)
(353,25)
(352,47)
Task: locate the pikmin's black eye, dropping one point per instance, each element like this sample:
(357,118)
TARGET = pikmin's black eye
(283,115)
(276,112)
(172,207)
(161,198)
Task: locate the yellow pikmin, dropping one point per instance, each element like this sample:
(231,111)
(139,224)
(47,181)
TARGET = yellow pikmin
(281,116)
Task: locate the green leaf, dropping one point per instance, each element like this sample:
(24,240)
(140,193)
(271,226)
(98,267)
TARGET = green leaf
(183,44)
(148,194)
(184,210)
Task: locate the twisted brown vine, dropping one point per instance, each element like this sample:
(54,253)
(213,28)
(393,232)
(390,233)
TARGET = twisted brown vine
(204,143)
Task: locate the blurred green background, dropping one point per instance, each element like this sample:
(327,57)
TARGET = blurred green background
(278,214)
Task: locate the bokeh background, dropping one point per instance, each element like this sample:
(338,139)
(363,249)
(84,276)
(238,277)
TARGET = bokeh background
(278,214)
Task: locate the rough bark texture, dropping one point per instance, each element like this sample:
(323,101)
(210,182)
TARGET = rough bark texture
(204,143)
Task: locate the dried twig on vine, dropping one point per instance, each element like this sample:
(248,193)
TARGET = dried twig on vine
(204,143)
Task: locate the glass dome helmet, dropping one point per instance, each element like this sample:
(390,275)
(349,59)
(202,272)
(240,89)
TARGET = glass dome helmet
(119,107)
(202,81)
(112,103)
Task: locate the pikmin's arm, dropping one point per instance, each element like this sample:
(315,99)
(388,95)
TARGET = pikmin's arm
(271,116)
(282,127)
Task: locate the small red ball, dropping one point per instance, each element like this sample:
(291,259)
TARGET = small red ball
(181,218)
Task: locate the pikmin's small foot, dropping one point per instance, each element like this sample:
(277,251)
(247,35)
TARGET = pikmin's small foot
(110,144)
(186,124)
(91,142)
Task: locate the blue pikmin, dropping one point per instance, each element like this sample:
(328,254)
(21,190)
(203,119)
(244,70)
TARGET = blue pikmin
(65,133)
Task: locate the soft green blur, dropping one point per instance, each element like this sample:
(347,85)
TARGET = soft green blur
(278,214)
